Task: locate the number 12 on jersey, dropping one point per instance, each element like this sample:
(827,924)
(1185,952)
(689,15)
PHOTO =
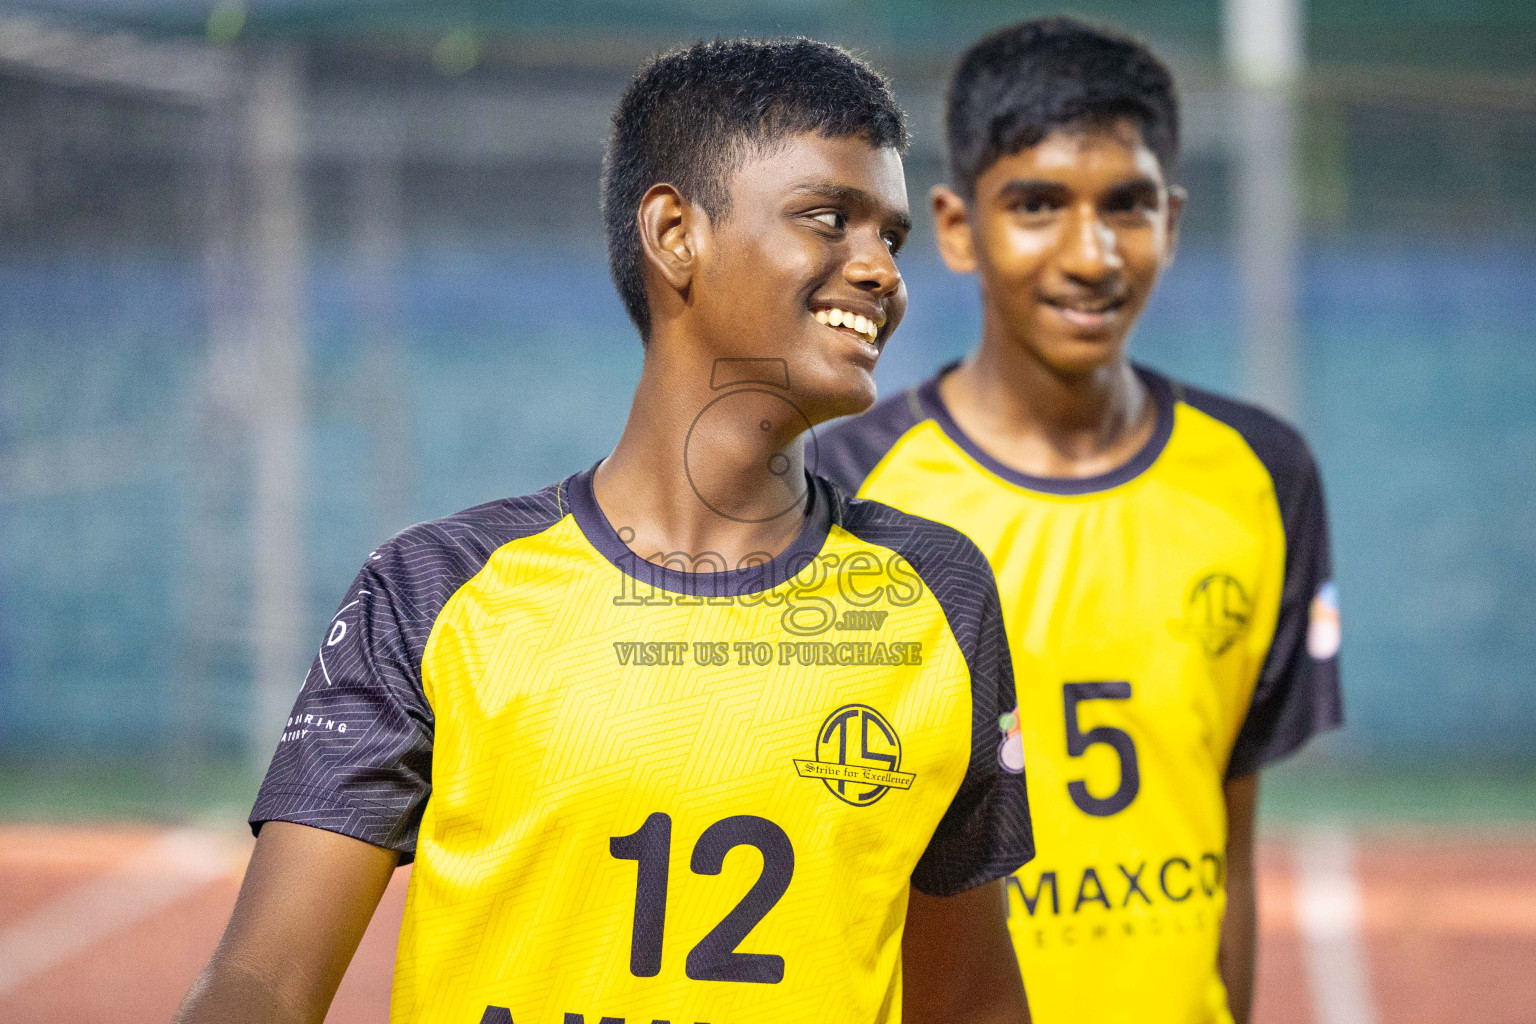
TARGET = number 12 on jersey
(715,957)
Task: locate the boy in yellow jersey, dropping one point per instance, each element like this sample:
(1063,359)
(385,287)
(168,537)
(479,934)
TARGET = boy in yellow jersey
(1162,552)
(741,780)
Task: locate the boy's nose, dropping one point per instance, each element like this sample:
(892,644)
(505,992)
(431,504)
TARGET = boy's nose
(1089,251)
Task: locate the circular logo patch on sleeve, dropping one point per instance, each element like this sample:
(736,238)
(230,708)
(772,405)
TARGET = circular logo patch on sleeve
(1010,752)
(1323,631)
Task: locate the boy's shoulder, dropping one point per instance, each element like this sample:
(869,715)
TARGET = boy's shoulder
(850,449)
(1277,443)
(449,551)
(879,523)
(947,561)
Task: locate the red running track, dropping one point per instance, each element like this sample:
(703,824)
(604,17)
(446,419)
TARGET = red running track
(111,924)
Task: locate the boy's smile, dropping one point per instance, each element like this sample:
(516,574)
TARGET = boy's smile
(1069,236)
(865,327)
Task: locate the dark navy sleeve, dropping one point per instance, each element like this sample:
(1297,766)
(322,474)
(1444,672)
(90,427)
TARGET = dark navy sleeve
(986,832)
(1297,695)
(355,756)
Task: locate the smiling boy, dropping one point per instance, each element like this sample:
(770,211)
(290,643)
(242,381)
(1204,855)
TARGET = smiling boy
(640,774)
(1162,552)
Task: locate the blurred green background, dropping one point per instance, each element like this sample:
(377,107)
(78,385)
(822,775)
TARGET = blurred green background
(278,279)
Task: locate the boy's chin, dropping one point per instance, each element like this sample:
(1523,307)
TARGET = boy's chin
(848,392)
(1075,357)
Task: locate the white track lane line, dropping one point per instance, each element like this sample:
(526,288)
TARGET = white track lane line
(1328,908)
(173,866)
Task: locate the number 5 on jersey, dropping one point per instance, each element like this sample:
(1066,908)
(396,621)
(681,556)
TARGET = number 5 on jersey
(715,957)
(1118,740)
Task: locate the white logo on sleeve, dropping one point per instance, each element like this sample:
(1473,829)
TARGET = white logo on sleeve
(338,633)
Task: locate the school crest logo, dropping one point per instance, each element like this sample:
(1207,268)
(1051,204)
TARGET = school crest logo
(1217,611)
(858,756)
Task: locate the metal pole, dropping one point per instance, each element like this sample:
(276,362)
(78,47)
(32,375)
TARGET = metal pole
(211,613)
(385,397)
(1264,47)
(274,126)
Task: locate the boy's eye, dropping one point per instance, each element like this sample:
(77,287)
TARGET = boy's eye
(1138,201)
(1035,205)
(893,243)
(1128,204)
(831,218)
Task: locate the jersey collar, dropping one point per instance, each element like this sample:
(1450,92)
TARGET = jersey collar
(821,510)
(1158,387)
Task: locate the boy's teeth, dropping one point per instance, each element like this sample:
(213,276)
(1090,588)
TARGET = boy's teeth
(854,321)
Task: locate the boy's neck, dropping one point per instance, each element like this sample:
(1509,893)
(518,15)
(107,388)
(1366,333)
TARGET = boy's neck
(1039,421)
(686,480)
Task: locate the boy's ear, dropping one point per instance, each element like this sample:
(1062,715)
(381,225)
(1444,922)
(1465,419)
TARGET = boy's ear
(952,230)
(1176,198)
(669,235)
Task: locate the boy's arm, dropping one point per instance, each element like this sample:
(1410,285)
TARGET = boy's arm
(958,965)
(307,897)
(1239,928)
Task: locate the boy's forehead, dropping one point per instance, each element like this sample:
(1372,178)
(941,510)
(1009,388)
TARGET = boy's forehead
(808,161)
(1115,148)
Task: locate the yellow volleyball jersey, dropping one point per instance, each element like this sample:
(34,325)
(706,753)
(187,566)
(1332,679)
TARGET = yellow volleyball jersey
(674,792)
(1159,618)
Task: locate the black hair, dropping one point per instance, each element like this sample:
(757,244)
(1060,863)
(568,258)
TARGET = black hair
(692,116)
(1016,85)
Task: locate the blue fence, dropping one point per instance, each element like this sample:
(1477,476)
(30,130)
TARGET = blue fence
(515,366)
